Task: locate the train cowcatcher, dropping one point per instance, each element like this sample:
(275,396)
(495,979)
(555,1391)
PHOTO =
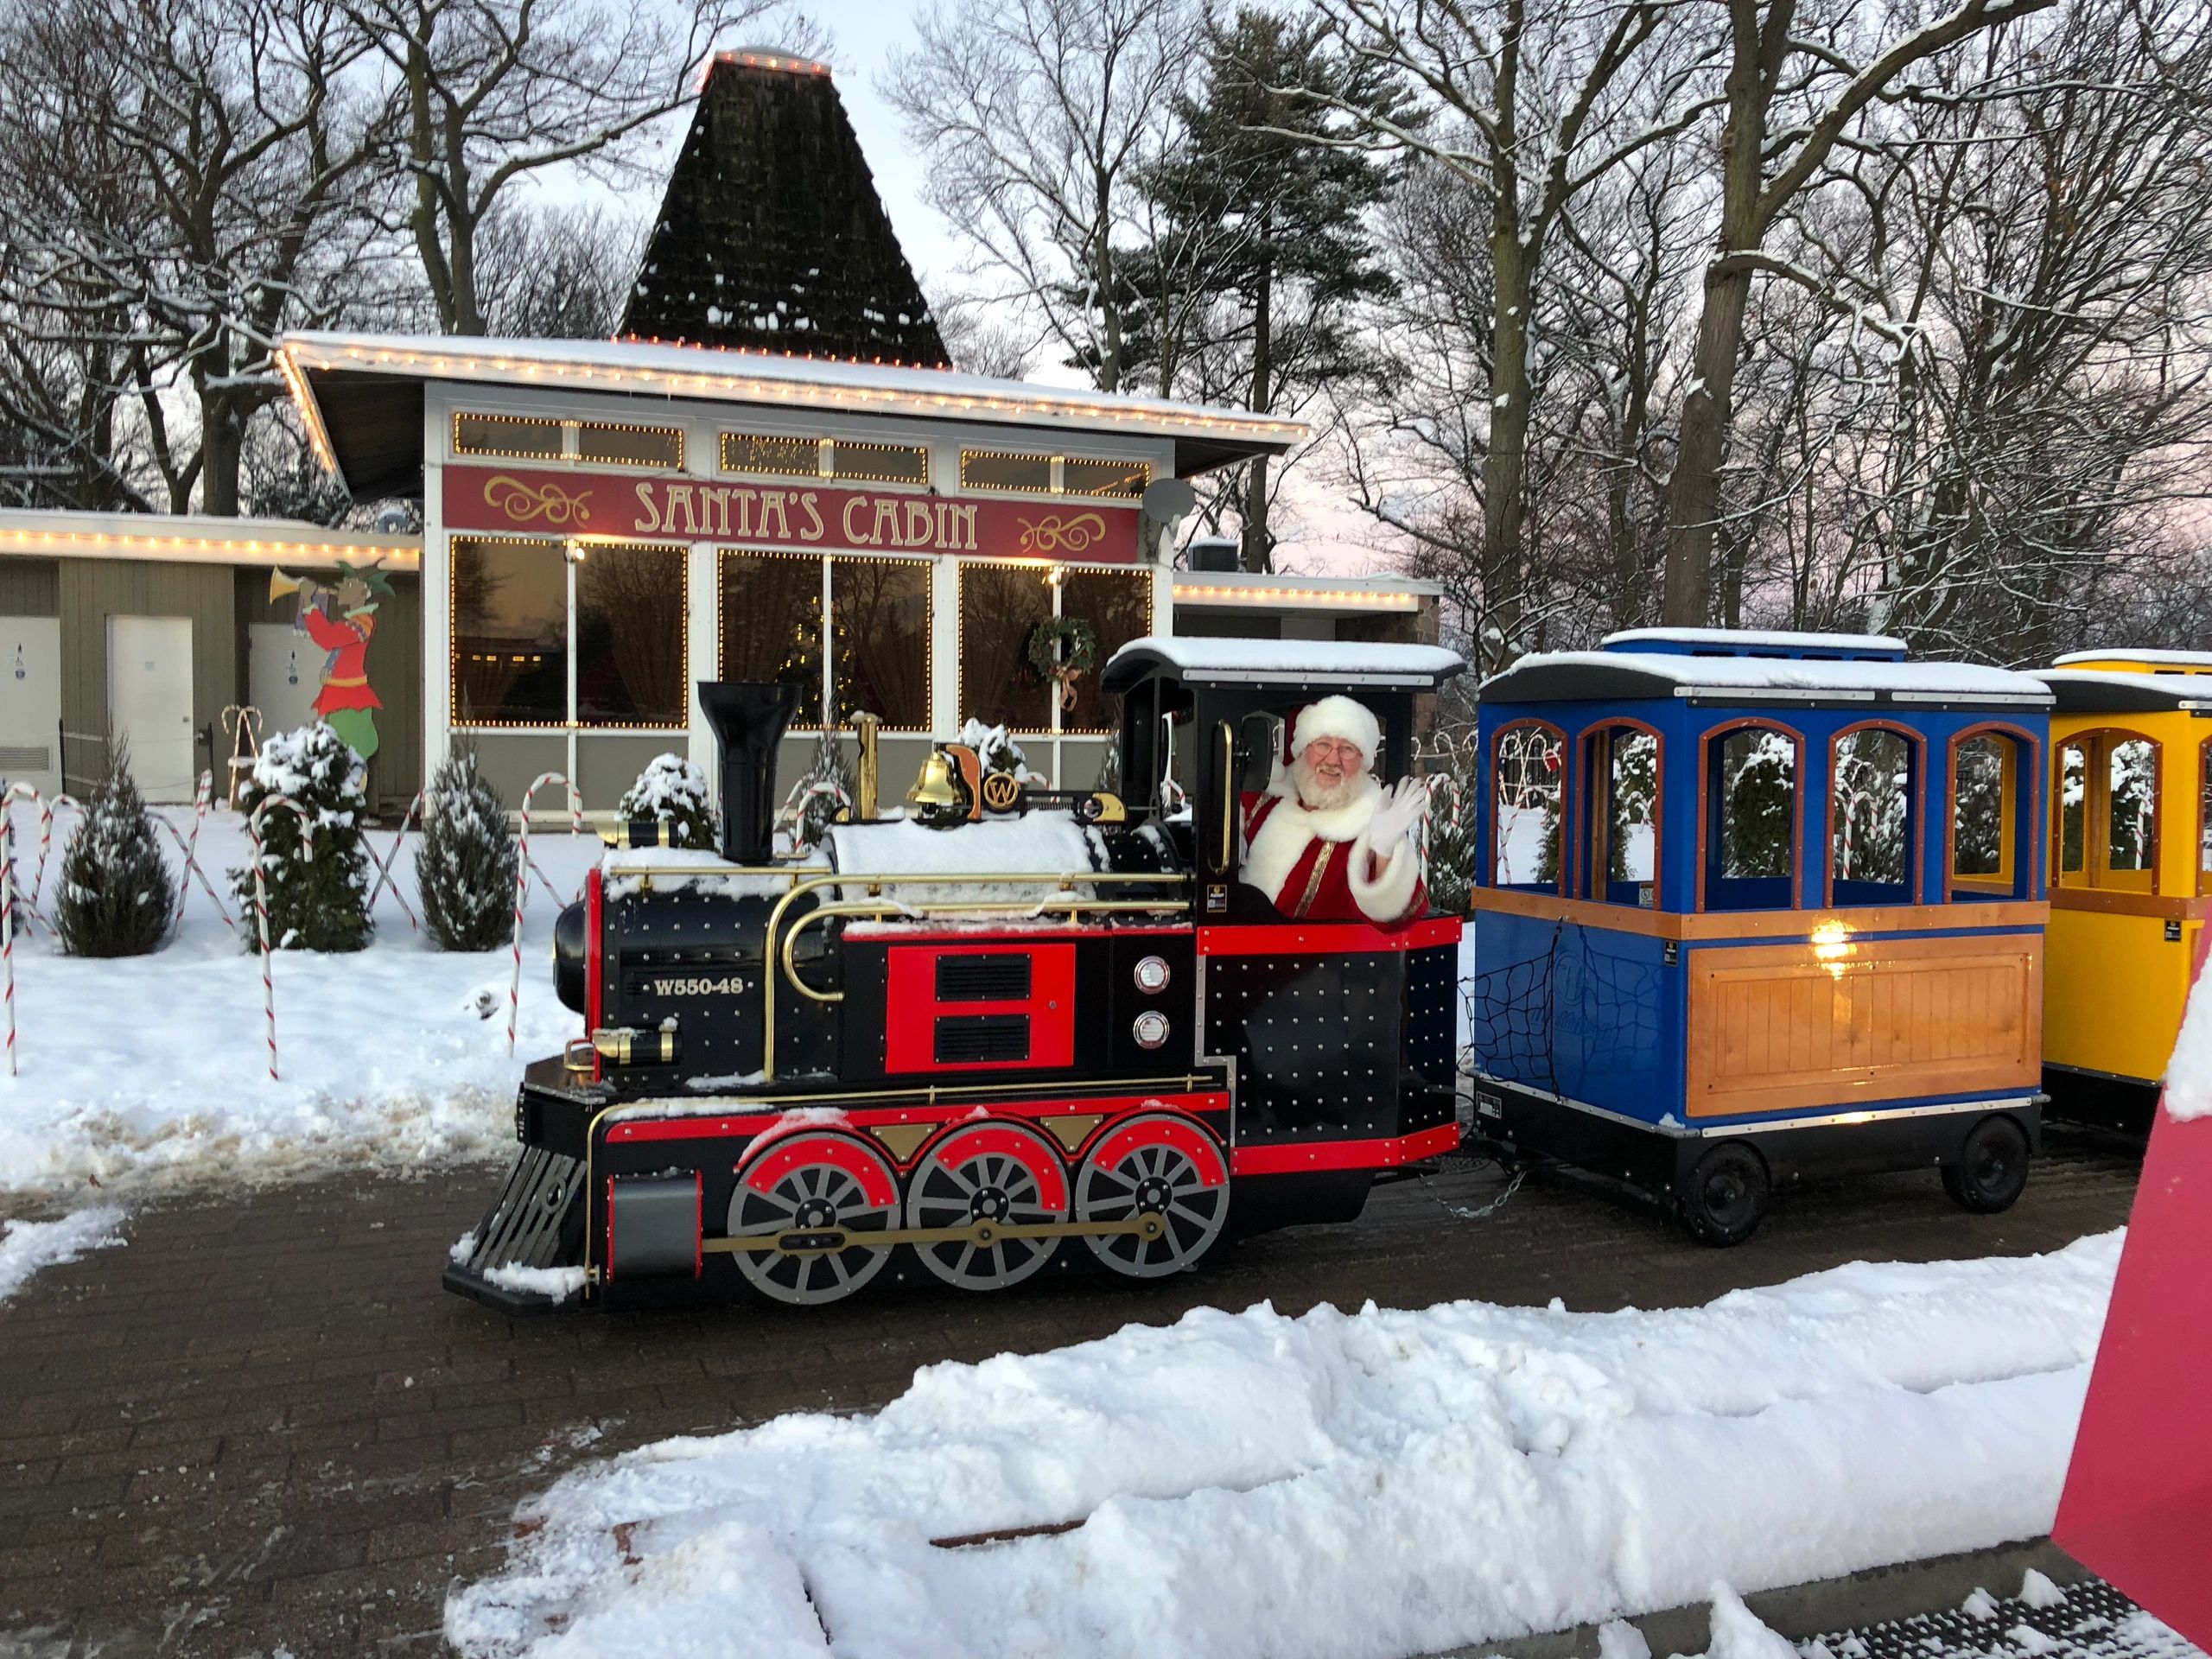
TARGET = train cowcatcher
(961,1039)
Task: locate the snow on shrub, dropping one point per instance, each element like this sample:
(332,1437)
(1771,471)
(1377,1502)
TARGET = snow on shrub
(317,898)
(672,789)
(996,748)
(464,863)
(117,898)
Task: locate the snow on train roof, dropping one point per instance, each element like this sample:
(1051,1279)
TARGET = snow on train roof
(1587,675)
(1740,642)
(2172,658)
(2101,690)
(1281,662)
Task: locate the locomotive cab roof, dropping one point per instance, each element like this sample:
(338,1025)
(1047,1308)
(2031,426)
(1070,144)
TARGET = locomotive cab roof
(1708,665)
(2129,682)
(1197,661)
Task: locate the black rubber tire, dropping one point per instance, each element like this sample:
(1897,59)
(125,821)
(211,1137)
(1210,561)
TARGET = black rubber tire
(1992,1167)
(1723,1199)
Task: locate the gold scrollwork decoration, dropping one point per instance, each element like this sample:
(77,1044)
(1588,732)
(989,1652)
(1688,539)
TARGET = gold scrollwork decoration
(524,504)
(1062,532)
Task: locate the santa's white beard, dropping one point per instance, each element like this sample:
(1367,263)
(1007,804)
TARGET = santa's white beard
(1315,795)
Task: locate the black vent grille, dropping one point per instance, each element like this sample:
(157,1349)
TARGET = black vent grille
(1002,977)
(966,1039)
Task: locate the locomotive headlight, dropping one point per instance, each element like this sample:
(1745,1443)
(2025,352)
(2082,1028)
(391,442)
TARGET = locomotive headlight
(1150,1029)
(1152,974)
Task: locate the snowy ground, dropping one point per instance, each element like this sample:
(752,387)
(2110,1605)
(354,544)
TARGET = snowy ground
(1376,1484)
(151,1072)
(26,1245)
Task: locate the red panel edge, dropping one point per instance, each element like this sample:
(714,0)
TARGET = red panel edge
(1320,938)
(1305,1156)
(710,1127)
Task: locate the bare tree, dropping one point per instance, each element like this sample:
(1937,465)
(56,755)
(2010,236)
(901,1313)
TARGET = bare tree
(1798,83)
(1040,119)
(555,273)
(489,92)
(181,168)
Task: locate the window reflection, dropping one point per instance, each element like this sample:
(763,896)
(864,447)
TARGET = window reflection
(630,637)
(1527,776)
(772,626)
(1981,807)
(1870,854)
(880,608)
(1118,606)
(999,606)
(510,633)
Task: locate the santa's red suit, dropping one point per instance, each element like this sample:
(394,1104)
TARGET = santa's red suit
(1320,865)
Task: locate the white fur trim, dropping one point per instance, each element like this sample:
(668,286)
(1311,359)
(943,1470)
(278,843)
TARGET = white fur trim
(1275,852)
(1387,898)
(1338,716)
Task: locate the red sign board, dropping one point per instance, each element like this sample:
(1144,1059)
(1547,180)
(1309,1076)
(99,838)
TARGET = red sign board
(533,501)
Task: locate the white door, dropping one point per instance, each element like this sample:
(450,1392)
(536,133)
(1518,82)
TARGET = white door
(150,701)
(30,703)
(284,671)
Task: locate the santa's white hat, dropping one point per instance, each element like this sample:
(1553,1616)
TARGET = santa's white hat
(1338,717)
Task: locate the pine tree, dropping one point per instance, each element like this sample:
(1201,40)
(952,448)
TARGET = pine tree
(672,789)
(318,896)
(824,789)
(464,863)
(117,898)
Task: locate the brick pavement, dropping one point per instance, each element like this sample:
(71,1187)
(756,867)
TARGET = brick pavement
(262,1425)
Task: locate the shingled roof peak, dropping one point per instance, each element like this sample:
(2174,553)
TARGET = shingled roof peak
(770,192)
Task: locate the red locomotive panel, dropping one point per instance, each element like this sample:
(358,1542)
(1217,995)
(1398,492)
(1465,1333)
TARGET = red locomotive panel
(989,1007)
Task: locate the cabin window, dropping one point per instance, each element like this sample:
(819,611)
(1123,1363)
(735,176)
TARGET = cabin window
(631,446)
(630,643)
(514,436)
(1873,823)
(1752,820)
(2108,791)
(1002,608)
(876,463)
(510,633)
(875,659)
(1528,777)
(1623,770)
(991,469)
(879,610)
(753,452)
(521,609)
(1986,856)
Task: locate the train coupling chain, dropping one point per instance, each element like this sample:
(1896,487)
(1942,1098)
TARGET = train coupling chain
(1148,1224)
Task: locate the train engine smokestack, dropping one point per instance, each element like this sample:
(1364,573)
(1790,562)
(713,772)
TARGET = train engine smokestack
(748,717)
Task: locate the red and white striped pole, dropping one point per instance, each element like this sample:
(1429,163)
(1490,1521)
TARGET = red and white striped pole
(200,798)
(45,810)
(522,869)
(261,907)
(8,903)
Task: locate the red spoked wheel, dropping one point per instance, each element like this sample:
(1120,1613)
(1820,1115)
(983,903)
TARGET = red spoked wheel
(1161,1164)
(992,1175)
(813,1182)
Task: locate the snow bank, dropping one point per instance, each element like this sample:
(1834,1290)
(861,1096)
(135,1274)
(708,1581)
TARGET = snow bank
(26,1245)
(1376,1484)
(152,1072)
(2189,1074)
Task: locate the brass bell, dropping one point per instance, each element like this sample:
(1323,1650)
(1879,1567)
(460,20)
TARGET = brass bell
(934,789)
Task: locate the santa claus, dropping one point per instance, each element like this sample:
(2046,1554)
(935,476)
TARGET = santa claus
(1326,841)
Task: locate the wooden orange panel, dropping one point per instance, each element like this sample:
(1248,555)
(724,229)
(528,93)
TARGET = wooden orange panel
(1778,1027)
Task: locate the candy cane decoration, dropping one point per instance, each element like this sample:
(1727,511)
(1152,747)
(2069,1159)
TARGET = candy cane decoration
(260,908)
(202,799)
(45,810)
(384,869)
(576,827)
(8,903)
(522,868)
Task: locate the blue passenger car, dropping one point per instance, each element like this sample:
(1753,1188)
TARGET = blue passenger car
(1755,906)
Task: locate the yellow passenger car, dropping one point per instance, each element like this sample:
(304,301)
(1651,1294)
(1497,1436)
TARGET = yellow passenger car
(2131,852)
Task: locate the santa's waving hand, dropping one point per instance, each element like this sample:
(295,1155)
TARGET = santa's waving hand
(1326,841)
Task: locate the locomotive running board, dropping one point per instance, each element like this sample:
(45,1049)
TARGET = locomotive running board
(832,1241)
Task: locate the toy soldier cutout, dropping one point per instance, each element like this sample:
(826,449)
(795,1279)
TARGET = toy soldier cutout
(1325,841)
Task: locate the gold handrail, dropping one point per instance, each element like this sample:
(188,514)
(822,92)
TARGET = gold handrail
(1227,795)
(1063,882)
(1051,905)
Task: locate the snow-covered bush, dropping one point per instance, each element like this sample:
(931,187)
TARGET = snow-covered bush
(1453,848)
(318,896)
(464,863)
(672,788)
(117,898)
(824,790)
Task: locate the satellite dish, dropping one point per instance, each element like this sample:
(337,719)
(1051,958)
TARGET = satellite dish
(1166,500)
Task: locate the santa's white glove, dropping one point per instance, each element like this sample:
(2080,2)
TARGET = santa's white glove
(1395,814)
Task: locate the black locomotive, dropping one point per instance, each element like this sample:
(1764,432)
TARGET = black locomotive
(1007,1020)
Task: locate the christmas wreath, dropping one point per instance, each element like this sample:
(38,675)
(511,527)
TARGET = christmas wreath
(1062,650)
